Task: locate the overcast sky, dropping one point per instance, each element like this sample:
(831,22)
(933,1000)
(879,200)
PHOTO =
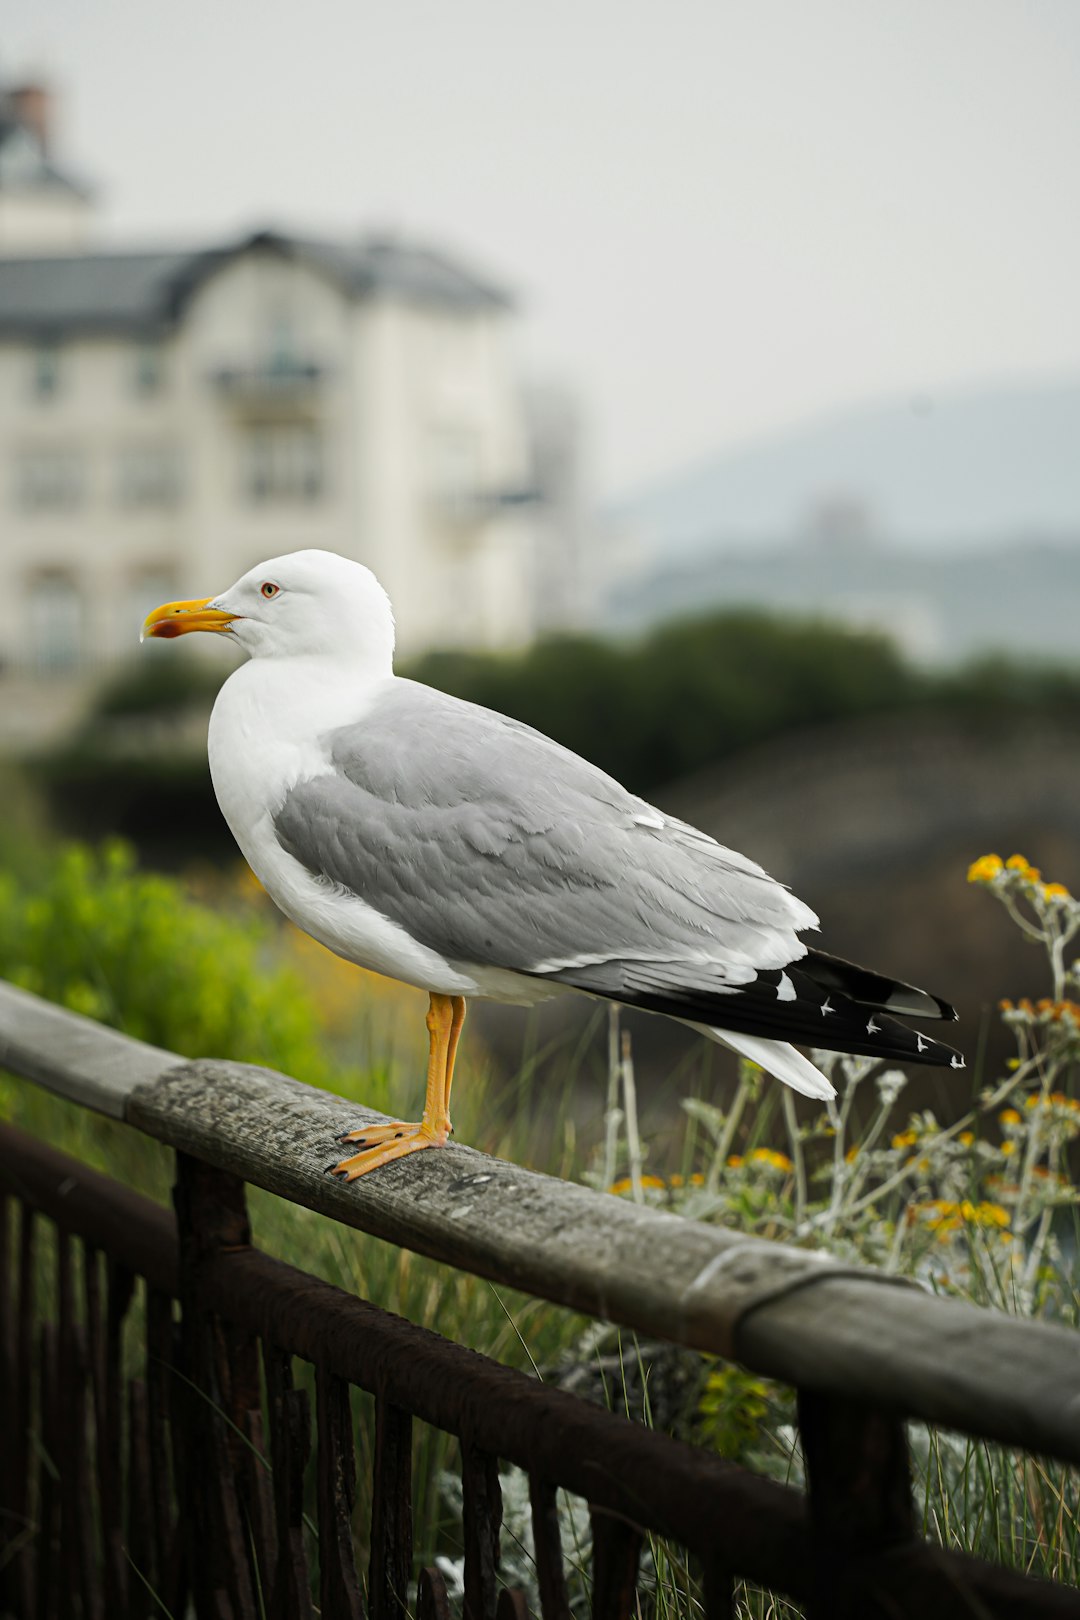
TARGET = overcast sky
(721,215)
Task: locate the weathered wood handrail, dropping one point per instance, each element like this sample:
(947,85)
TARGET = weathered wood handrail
(789,1313)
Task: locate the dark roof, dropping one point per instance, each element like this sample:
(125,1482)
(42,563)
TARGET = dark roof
(146,292)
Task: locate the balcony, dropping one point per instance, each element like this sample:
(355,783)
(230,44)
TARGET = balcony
(285,380)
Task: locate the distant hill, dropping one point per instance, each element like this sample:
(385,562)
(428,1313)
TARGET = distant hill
(960,471)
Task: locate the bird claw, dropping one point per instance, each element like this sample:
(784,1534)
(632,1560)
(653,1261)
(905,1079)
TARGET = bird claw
(382,1144)
(366,1137)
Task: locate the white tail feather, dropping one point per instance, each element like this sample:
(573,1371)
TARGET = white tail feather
(778,1059)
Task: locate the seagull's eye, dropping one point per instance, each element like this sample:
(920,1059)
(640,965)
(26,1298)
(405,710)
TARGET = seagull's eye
(270,589)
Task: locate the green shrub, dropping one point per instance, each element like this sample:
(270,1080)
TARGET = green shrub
(132,950)
(687,694)
(159,682)
(86,929)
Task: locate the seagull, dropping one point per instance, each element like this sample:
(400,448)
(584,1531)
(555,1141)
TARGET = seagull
(460,851)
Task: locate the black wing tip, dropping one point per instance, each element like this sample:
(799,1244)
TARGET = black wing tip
(872,989)
(912,1003)
(932,1054)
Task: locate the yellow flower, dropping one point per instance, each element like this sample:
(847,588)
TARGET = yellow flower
(769,1156)
(1056,1099)
(905,1139)
(1008,1147)
(1055,891)
(936,1213)
(735,1161)
(851,1155)
(1009,1116)
(624,1183)
(966,1138)
(985,869)
(943,1216)
(1021,865)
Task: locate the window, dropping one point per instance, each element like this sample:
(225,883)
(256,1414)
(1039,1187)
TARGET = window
(148,369)
(50,480)
(55,621)
(454,470)
(45,372)
(283,461)
(148,475)
(280,343)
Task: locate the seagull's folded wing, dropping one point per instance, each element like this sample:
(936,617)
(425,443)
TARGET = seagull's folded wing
(494,846)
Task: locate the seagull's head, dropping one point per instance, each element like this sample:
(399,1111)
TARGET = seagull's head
(304,604)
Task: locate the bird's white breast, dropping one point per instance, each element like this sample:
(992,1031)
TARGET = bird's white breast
(268,731)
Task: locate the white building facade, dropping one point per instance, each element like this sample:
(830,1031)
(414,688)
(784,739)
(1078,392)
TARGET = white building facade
(169,419)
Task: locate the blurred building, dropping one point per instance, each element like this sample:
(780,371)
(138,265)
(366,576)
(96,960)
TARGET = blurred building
(42,207)
(171,418)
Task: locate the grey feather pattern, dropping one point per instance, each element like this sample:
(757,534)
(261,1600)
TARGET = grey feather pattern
(493,845)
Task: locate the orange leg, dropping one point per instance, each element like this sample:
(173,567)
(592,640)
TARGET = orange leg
(457,1020)
(381,1144)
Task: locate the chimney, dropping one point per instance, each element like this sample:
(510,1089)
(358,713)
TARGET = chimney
(31,106)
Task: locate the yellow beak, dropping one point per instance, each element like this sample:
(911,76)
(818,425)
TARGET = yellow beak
(177,618)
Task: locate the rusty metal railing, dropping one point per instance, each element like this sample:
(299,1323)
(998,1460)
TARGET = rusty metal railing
(175,1483)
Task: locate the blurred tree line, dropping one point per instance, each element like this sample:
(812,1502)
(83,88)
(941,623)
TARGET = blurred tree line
(684,697)
(687,695)
(694,692)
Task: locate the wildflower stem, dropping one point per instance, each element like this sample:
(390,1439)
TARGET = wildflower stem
(896,1246)
(633,1137)
(1025,926)
(997,1097)
(839,1176)
(612,1114)
(731,1125)
(1034,1143)
(797,1157)
(860,1170)
(1034,1260)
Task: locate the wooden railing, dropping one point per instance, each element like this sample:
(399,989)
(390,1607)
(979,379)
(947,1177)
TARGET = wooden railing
(177,1487)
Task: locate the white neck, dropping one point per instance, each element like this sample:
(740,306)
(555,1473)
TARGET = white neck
(297,700)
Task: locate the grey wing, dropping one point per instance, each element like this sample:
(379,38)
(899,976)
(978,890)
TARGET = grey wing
(493,845)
